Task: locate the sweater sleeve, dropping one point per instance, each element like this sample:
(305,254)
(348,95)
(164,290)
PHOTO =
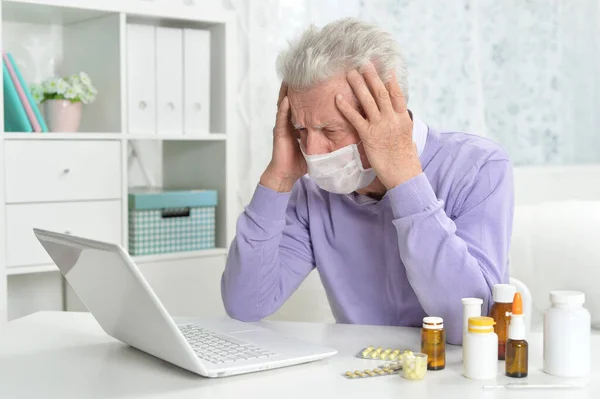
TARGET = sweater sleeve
(450,257)
(270,255)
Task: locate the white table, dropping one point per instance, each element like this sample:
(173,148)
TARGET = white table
(67,355)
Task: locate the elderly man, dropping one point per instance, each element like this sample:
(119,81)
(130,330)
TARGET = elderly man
(401,221)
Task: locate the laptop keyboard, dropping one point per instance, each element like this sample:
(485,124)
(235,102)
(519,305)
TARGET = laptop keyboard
(219,349)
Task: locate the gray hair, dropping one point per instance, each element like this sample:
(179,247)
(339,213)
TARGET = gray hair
(320,54)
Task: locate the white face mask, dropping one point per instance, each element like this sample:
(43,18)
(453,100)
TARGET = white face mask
(340,171)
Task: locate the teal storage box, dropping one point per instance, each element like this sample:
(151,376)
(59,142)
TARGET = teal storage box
(165,221)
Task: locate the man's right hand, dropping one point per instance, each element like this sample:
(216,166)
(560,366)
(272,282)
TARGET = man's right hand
(287,162)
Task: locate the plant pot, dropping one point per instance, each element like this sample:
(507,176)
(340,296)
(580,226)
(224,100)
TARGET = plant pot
(62,116)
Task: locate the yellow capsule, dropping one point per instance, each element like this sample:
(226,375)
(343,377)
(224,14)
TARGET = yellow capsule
(388,350)
(380,372)
(369,372)
(383,356)
(375,354)
(357,371)
(377,370)
(393,356)
(362,374)
(379,349)
(365,353)
(396,351)
(387,369)
(349,373)
(353,376)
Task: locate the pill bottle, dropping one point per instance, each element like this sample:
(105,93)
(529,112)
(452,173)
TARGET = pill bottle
(502,295)
(480,349)
(471,308)
(517,347)
(567,335)
(433,342)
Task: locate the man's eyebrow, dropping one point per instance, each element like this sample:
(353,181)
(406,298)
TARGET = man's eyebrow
(334,122)
(296,124)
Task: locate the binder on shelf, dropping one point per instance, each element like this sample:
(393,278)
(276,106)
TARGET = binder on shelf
(15,117)
(36,111)
(21,91)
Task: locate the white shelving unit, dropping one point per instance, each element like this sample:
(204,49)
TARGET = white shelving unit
(165,71)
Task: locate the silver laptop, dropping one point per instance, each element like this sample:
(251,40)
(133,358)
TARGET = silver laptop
(115,292)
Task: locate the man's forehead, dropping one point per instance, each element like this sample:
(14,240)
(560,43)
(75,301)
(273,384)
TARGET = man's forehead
(317,105)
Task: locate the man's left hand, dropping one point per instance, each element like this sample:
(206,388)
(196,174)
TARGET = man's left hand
(386,128)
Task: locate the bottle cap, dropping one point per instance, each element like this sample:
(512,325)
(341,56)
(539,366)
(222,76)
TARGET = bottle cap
(516,327)
(472,301)
(517,305)
(481,321)
(433,323)
(481,325)
(567,297)
(503,293)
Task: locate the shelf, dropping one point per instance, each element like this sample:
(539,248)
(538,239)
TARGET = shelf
(180,255)
(61,136)
(19,270)
(39,13)
(110,136)
(62,37)
(68,11)
(172,137)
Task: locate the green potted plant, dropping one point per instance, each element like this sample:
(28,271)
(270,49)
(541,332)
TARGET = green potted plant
(63,99)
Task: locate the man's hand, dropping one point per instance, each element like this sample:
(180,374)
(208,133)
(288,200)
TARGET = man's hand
(287,162)
(386,129)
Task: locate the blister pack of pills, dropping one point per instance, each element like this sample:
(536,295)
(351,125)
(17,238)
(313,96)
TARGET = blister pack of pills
(380,354)
(413,365)
(386,369)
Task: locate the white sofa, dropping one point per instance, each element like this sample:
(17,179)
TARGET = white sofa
(555,245)
(556,234)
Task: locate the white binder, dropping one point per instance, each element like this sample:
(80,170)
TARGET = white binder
(197,88)
(141,79)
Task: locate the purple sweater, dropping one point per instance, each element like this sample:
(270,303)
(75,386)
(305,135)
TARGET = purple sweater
(440,237)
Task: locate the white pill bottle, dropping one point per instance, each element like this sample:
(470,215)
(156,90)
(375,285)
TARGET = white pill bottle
(567,335)
(480,349)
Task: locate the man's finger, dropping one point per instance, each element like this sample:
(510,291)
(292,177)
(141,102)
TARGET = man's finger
(282,93)
(396,96)
(283,118)
(363,94)
(355,118)
(377,88)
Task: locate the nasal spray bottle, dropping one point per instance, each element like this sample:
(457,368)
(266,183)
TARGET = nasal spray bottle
(516,345)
